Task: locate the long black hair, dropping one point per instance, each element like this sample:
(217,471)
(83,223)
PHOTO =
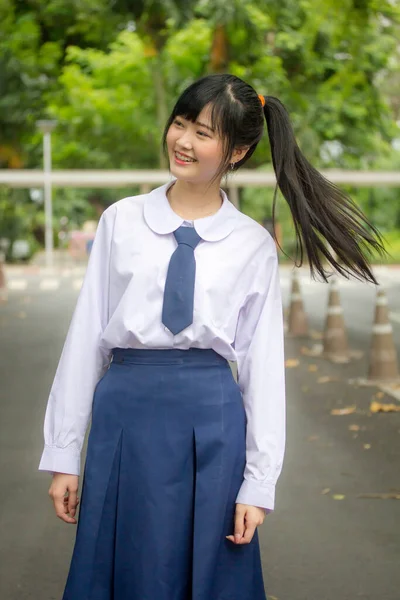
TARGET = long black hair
(321,211)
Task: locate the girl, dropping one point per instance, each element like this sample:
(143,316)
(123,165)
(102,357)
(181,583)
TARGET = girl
(182,461)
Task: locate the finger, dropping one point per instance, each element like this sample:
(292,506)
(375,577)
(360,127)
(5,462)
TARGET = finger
(248,534)
(72,502)
(239,524)
(60,507)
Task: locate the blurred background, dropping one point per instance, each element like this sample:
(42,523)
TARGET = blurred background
(104,76)
(110,72)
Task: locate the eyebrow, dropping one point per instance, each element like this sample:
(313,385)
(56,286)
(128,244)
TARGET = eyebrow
(198,123)
(206,126)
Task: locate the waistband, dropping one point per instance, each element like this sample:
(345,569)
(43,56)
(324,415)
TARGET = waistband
(168,356)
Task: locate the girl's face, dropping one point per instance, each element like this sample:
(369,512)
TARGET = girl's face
(196,141)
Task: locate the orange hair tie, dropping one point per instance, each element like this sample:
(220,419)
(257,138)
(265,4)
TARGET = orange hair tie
(262,99)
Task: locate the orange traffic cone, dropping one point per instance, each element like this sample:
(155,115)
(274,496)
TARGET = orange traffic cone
(335,342)
(3,285)
(383,357)
(297,319)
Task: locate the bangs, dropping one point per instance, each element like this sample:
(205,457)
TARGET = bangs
(191,105)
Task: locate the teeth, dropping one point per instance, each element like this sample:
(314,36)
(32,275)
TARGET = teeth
(184,158)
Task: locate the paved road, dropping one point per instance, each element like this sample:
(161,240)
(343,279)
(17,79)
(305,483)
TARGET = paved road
(324,541)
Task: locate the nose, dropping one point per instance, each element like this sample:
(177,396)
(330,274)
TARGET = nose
(185,140)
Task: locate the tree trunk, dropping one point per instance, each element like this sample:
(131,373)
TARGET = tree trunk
(161,102)
(219,57)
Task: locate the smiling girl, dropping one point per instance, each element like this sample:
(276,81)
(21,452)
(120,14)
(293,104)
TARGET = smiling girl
(182,460)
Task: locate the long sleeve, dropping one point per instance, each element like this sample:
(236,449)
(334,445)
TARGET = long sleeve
(259,345)
(83,361)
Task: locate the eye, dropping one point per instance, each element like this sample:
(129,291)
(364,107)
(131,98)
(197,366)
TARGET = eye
(202,133)
(177,122)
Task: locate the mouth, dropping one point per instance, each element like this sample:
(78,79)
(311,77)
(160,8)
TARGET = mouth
(181,159)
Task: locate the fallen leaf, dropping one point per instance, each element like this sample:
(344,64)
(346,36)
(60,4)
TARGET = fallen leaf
(367,446)
(384,496)
(316,350)
(379,395)
(312,368)
(347,410)
(325,491)
(326,379)
(316,335)
(292,362)
(313,438)
(338,497)
(378,407)
(21,315)
(354,428)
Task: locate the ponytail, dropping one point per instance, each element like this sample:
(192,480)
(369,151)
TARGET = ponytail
(320,210)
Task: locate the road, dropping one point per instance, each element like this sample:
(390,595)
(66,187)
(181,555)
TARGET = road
(325,541)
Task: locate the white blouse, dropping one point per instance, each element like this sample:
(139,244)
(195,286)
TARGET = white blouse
(237,312)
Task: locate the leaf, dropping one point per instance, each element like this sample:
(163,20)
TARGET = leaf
(315,350)
(290,363)
(326,379)
(378,407)
(312,368)
(325,491)
(312,438)
(354,428)
(384,496)
(367,446)
(316,335)
(347,410)
(338,497)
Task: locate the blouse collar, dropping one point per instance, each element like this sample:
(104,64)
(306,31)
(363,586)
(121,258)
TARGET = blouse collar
(160,217)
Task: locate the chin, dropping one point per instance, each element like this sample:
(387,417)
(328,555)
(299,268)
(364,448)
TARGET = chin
(176,172)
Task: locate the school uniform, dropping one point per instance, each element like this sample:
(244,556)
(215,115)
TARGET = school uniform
(174,442)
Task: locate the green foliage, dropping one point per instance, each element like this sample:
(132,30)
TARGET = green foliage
(17,216)
(392,245)
(110,72)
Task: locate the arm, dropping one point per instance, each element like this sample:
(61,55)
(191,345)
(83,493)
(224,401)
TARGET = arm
(82,361)
(261,376)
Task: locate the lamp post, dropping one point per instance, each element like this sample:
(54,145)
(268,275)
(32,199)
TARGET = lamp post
(46,127)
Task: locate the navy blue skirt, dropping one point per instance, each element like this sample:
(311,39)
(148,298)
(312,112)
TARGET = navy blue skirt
(165,461)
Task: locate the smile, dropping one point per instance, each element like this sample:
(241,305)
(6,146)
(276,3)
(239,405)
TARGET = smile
(182,158)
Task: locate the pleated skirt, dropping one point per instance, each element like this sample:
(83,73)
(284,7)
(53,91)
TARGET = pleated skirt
(165,461)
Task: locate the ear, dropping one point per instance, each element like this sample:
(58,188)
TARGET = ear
(239,153)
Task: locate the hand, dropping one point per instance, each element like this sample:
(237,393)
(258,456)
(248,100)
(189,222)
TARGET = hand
(63,492)
(247,518)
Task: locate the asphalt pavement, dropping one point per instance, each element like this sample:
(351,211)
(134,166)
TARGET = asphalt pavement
(335,533)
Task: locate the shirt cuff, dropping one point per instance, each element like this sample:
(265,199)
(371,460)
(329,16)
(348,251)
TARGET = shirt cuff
(60,460)
(257,494)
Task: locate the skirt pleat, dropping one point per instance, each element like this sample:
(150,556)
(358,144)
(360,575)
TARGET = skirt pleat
(164,464)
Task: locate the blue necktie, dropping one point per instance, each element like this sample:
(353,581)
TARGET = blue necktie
(177,312)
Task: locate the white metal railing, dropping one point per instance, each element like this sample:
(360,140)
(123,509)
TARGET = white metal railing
(25,178)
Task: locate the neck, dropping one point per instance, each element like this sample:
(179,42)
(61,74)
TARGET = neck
(194,201)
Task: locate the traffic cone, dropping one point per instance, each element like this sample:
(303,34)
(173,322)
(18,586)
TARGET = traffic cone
(3,285)
(297,319)
(335,342)
(383,356)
